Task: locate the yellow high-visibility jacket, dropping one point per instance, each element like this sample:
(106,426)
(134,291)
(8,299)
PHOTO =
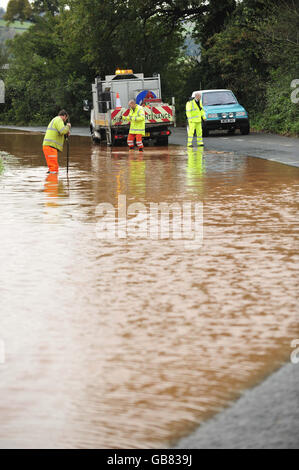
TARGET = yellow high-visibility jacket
(55,133)
(194,114)
(137,119)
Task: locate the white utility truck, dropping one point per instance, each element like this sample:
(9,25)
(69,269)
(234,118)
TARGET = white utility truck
(110,99)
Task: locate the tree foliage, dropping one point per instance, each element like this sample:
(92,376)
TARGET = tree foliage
(47,6)
(250,47)
(18,10)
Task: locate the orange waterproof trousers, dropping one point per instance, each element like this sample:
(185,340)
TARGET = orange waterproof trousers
(131,138)
(51,155)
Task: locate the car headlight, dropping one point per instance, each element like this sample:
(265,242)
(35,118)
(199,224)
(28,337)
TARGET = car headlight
(211,116)
(241,113)
(231,115)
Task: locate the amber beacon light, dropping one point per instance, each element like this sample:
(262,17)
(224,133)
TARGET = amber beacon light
(123,72)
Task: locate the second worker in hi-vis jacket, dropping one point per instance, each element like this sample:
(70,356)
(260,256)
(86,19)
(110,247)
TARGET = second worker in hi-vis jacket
(195,113)
(136,117)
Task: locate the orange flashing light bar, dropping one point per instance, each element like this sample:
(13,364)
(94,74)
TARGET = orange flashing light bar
(124,72)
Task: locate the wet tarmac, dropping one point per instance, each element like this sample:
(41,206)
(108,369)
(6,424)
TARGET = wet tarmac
(133,342)
(265,417)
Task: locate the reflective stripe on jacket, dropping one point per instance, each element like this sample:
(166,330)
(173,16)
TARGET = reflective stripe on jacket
(194,114)
(137,118)
(55,133)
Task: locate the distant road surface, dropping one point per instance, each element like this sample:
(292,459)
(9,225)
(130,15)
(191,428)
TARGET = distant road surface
(269,146)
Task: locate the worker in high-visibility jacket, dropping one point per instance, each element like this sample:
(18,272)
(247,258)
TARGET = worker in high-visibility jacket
(136,117)
(54,139)
(195,113)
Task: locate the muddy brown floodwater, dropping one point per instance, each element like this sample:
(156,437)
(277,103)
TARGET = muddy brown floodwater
(134,342)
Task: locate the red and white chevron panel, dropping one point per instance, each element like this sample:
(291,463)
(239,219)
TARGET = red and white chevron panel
(153,115)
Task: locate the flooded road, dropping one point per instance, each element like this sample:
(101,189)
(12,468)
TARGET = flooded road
(131,343)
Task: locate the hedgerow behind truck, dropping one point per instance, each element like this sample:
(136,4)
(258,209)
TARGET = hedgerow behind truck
(110,99)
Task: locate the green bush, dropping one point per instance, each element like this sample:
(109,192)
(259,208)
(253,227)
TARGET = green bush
(279,114)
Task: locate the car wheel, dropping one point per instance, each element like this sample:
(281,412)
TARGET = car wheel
(245,130)
(205,132)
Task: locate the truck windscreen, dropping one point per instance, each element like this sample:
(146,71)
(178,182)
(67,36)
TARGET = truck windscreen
(124,77)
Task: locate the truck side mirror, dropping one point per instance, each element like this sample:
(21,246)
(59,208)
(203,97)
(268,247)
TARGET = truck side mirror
(86,106)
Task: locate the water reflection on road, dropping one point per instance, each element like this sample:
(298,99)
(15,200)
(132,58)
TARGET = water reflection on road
(132,343)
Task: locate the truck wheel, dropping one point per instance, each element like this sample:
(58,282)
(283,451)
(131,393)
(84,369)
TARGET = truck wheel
(162,141)
(110,137)
(95,140)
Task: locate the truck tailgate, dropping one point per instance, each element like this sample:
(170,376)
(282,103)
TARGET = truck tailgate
(159,114)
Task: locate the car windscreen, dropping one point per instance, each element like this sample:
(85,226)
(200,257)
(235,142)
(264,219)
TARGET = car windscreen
(216,98)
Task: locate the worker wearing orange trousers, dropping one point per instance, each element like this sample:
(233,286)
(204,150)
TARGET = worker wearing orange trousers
(51,155)
(54,140)
(136,117)
(131,138)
